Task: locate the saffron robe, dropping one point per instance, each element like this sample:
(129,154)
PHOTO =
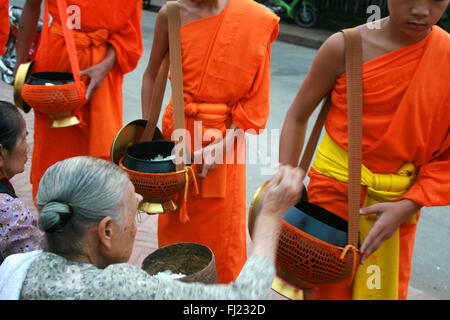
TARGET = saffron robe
(117,23)
(4,25)
(406,119)
(226,79)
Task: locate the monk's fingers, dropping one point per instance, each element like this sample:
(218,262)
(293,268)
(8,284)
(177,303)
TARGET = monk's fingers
(371,247)
(89,91)
(375,208)
(381,231)
(205,170)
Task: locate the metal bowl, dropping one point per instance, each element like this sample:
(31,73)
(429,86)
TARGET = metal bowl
(140,157)
(194,260)
(50,78)
(308,217)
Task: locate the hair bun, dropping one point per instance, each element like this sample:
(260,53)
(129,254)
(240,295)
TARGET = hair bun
(54,216)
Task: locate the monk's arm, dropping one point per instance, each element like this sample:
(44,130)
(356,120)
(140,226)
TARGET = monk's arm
(127,40)
(328,65)
(159,48)
(27,30)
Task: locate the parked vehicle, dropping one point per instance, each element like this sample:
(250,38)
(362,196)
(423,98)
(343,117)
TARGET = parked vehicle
(303,12)
(8,60)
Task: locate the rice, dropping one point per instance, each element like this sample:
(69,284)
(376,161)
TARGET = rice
(169,275)
(160,157)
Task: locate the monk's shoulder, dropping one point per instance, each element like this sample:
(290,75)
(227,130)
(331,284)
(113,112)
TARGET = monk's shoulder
(332,53)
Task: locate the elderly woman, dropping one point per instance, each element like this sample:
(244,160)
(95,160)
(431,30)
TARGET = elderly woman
(18,227)
(87,209)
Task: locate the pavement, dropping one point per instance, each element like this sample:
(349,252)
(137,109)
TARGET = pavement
(146,237)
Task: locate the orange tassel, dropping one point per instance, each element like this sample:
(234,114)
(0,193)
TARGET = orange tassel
(183,208)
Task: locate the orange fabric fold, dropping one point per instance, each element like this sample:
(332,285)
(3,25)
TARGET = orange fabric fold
(226,78)
(83,39)
(101,24)
(4,25)
(406,117)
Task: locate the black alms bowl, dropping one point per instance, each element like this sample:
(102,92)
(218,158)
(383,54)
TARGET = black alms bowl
(54,78)
(139,157)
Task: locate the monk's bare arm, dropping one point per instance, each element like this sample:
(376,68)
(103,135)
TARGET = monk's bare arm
(328,65)
(159,48)
(27,29)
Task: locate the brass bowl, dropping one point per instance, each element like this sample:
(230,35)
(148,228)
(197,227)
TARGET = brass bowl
(128,136)
(194,260)
(20,79)
(60,118)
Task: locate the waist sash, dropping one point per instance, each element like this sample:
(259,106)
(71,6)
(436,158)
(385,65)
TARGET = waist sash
(214,118)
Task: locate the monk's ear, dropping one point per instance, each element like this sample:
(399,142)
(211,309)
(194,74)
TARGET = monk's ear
(105,232)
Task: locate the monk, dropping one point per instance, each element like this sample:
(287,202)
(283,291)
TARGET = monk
(4,25)
(226,48)
(108,41)
(405,144)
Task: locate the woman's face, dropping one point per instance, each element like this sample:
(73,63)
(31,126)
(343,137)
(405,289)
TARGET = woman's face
(415,17)
(13,161)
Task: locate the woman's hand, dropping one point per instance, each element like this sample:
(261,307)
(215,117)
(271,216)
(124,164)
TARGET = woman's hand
(390,216)
(283,191)
(97,73)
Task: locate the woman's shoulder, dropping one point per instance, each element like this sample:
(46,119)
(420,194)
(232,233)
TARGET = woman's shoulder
(12,207)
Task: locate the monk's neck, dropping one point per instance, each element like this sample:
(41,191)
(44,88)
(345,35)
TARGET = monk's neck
(399,38)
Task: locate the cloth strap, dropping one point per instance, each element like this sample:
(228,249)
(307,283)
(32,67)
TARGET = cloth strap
(353,65)
(173,58)
(173,11)
(70,45)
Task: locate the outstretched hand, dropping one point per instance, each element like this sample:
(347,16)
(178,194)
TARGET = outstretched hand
(390,216)
(283,190)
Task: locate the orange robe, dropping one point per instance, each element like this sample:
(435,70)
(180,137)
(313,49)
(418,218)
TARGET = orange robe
(4,25)
(406,118)
(117,23)
(226,79)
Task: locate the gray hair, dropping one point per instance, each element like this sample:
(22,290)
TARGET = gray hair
(73,195)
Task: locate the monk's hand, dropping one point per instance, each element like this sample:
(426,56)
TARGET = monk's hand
(283,190)
(390,215)
(208,158)
(98,72)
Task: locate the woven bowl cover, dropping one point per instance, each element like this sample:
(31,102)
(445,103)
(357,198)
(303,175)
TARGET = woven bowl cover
(53,99)
(311,259)
(158,185)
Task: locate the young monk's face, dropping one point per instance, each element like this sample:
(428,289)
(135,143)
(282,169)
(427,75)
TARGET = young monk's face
(415,17)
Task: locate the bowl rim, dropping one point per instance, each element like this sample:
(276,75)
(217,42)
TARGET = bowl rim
(183,171)
(211,261)
(148,160)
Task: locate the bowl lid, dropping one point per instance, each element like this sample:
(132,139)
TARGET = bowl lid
(21,76)
(128,136)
